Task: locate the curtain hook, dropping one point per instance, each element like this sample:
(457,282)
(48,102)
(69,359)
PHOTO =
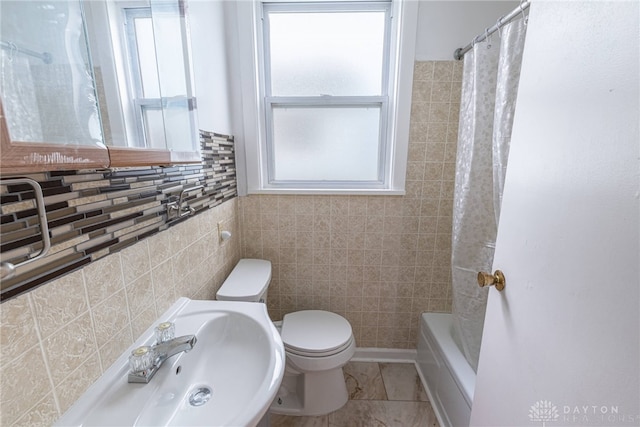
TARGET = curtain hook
(525,19)
(499,26)
(13,49)
(487,37)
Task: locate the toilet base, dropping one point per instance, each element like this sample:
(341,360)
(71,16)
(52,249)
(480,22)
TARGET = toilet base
(311,394)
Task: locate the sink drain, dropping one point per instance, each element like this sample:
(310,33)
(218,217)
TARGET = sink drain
(200,396)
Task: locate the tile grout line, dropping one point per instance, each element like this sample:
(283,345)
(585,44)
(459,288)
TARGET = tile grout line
(153,291)
(44,358)
(126,297)
(92,320)
(384,385)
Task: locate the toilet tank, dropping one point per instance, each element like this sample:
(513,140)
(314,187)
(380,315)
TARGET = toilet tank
(249,281)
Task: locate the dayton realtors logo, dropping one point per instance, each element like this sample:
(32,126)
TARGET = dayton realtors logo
(543,411)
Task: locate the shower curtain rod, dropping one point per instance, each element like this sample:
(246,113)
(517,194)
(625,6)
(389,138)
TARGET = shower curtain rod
(45,56)
(502,21)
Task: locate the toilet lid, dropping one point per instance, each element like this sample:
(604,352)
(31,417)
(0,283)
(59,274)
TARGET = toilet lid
(315,331)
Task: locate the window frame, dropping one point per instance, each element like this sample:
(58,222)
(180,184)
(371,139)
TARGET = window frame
(253,155)
(380,101)
(140,103)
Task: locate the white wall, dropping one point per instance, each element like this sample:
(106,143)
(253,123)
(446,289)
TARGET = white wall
(210,50)
(445,25)
(566,328)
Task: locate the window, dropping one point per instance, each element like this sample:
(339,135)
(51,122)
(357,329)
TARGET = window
(145,81)
(328,98)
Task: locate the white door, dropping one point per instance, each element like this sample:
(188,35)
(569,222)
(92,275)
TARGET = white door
(561,343)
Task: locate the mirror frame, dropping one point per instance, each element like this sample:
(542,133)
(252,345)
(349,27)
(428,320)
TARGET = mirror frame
(24,157)
(126,157)
(21,157)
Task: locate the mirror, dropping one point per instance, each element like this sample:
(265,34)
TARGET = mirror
(46,81)
(84,72)
(141,60)
(143,74)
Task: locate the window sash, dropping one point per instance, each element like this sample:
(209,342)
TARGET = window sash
(328,101)
(140,103)
(131,14)
(380,6)
(378,102)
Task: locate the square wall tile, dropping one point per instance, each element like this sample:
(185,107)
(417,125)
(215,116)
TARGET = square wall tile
(368,241)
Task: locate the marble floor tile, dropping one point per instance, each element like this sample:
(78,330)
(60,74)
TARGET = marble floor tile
(401,382)
(380,395)
(278,420)
(376,413)
(364,381)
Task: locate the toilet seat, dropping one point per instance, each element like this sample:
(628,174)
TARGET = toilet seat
(315,333)
(293,351)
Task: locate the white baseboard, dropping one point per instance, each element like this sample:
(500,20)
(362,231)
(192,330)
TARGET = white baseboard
(392,355)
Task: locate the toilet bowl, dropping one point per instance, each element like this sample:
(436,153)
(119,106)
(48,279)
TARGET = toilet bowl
(317,344)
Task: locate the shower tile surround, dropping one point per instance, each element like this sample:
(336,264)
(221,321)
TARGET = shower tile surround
(378,260)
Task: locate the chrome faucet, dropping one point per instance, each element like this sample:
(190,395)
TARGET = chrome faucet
(156,356)
(175,209)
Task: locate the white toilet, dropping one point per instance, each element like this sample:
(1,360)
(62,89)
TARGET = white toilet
(317,344)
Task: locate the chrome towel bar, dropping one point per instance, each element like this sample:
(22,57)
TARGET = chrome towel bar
(7,269)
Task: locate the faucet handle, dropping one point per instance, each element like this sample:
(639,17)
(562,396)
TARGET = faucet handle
(142,359)
(164,332)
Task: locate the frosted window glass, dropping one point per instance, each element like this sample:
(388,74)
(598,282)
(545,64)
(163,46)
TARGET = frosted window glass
(147,58)
(167,28)
(339,54)
(326,144)
(154,128)
(179,128)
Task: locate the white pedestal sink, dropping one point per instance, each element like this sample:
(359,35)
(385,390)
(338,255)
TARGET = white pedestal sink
(236,367)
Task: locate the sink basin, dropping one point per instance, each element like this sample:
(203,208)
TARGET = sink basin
(229,378)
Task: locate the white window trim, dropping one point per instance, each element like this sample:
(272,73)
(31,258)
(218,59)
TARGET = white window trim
(140,103)
(251,146)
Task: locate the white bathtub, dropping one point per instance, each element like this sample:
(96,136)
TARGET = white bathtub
(445,373)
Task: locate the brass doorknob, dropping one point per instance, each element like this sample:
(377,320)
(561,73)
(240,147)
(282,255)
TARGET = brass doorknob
(488,279)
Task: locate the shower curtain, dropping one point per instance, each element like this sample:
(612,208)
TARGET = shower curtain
(18,94)
(489,89)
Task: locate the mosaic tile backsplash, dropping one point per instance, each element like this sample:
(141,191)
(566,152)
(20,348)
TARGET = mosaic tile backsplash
(93,213)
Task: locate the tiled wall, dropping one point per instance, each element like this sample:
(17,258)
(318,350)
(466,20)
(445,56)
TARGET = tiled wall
(92,213)
(378,260)
(58,338)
